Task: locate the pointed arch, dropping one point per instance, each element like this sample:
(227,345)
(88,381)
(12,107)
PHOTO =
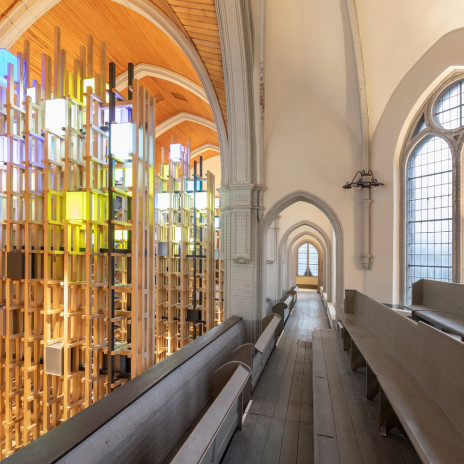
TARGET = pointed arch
(142,70)
(274,211)
(282,254)
(179,118)
(307,237)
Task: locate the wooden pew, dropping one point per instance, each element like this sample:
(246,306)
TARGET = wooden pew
(440,304)
(211,436)
(256,356)
(329,308)
(145,419)
(283,309)
(293,292)
(418,372)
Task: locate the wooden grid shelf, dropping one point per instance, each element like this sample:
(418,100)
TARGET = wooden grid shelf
(97,284)
(184,256)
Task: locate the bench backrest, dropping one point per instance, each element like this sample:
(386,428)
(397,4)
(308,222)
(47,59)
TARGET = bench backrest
(434,358)
(210,437)
(256,356)
(283,310)
(286,299)
(143,420)
(445,296)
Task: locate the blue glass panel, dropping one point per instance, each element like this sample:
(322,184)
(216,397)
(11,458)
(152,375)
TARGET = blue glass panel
(7,58)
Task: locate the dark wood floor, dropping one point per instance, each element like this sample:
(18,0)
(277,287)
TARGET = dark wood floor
(278,426)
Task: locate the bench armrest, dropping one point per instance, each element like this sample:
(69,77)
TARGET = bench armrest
(199,446)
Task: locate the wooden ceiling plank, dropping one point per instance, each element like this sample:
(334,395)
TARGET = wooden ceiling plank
(198,14)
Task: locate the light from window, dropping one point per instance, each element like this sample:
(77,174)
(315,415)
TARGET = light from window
(429,225)
(313,257)
(308,261)
(449,112)
(302,259)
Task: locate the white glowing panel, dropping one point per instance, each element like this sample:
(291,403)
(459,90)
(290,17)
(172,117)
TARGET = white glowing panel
(128,176)
(217,222)
(177,234)
(55,115)
(30,92)
(190,186)
(121,140)
(3,148)
(89,83)
(163,201)
(120,235)
(119,177)
(176,151)
(201,200)
(216,202)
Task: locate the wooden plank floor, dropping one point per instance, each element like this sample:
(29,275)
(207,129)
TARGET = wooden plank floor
(278,425)
(355,419)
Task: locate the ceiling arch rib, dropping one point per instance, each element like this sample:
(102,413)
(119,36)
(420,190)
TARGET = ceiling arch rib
(204,148)
(142,70)
(158,17)
(179,119)
(20,18)
(23,15)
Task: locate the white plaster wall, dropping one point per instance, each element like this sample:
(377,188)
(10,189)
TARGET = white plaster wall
(395,34)
(383,280)
(312,126)
(301,211)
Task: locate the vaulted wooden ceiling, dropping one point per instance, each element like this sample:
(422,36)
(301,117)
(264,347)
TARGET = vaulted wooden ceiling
(132,38)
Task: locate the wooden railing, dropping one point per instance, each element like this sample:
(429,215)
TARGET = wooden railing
(211,436)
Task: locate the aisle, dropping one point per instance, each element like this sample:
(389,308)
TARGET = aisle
(278,422)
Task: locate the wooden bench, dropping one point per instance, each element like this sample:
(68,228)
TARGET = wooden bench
(211,436)
(418,372)
(256,356)
(440,304)
(329,307)
(293,292)
(283,309)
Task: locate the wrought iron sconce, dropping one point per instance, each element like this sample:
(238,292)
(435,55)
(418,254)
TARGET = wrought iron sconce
(363,179)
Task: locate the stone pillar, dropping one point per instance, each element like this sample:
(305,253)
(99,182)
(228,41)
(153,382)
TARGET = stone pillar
(239,235)
(272,264)
(241,194)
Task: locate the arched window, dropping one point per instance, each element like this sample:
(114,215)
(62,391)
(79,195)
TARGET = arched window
(308,260)
(431,226)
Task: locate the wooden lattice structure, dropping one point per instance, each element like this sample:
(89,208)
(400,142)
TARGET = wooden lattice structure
(69,335)
(97,284)
(219,270)
(185,256)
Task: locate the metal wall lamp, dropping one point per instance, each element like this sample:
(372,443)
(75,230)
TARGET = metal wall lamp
(366,179)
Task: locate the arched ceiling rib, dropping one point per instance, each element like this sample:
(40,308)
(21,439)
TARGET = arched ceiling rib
(195,19)
(204,149)
(142,70)
(160,64)
(179,119)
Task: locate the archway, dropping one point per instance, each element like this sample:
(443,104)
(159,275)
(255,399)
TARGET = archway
(293,261)
(283,256)
(300,239)
(274,211)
